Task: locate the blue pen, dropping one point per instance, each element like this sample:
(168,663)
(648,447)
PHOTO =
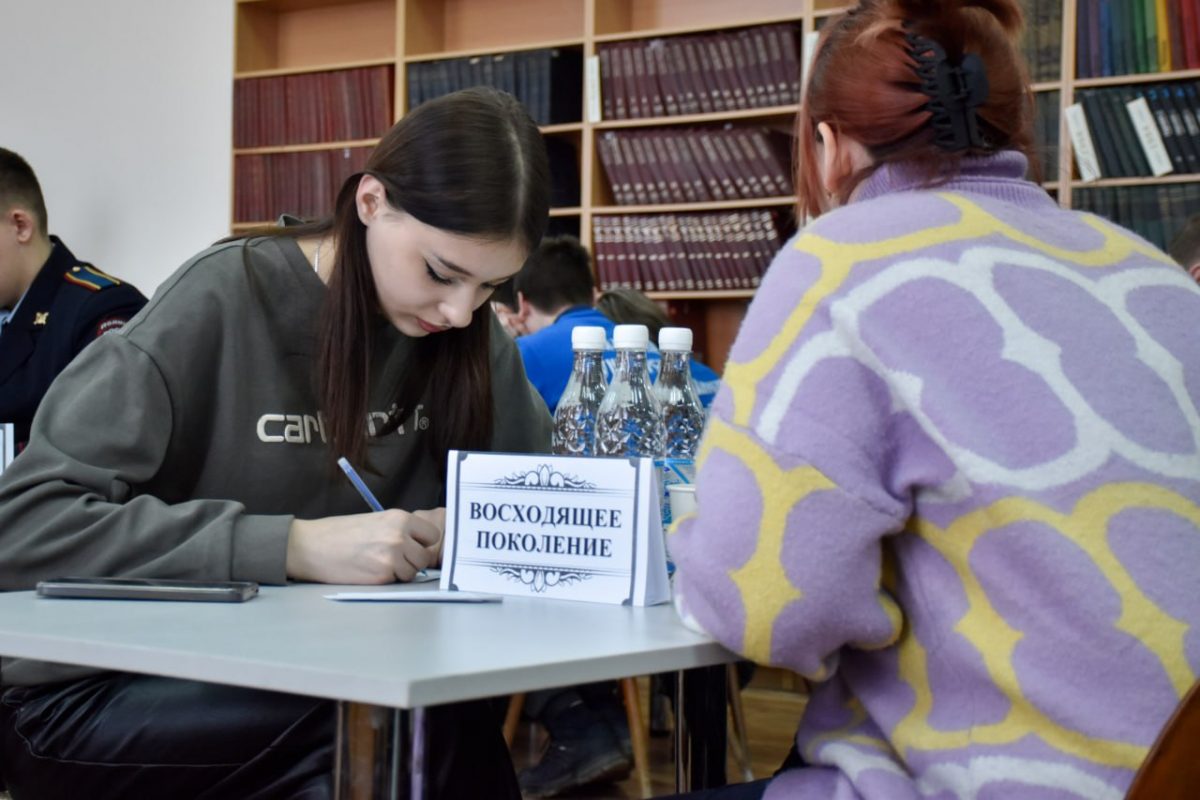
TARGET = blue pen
(363,490)
(358,484)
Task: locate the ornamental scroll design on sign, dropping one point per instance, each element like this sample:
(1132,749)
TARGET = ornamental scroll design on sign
(540,579)
(545,477)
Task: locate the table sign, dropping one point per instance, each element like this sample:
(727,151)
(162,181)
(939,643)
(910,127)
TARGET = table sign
(563,527)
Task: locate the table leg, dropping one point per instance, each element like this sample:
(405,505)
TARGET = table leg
(380,753)
(700,730)
(419,764)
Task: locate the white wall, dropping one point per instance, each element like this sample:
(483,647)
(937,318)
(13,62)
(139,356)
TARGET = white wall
(122,108)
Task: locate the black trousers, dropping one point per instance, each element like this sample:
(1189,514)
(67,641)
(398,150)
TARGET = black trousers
(123,736)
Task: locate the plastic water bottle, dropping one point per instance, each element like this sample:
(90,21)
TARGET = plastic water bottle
(630,419)
(683,414)
(575,416)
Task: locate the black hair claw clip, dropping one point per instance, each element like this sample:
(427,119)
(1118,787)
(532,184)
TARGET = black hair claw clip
(954,92)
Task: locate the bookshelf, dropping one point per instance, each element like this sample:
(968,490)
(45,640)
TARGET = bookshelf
(414,45)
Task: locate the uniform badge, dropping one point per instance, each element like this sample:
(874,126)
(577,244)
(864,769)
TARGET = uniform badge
(40,318)
(110,324)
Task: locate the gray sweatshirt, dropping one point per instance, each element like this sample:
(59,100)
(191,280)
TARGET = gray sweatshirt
(183,445)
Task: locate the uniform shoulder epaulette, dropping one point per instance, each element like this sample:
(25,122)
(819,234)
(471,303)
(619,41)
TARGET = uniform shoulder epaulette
(89,277)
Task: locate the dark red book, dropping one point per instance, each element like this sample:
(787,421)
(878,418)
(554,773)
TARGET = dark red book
(641,80)
(664,71)
(601,254)
(754,54)
(655,141)
(676,54)
(607,90)
(699,72)
(637,183)
(734,69)
(647,163)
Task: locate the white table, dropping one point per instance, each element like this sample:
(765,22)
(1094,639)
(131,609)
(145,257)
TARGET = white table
(391,655)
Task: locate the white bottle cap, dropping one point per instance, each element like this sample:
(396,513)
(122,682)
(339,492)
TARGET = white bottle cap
(676,339)
(588,337)
(631,337)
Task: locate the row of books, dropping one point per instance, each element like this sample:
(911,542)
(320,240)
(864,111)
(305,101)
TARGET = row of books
(691,165)
(337,106)
(1135,128)
(304,183)
(1156,213)
(1042,43)
(682,252)
(1122,37)
(548,82)
(750,68)
(1045,134)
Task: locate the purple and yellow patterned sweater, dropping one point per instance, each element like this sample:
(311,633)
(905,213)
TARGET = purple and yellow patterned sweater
(954,477)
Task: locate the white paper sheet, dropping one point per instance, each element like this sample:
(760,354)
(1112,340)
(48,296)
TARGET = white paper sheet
(402,596)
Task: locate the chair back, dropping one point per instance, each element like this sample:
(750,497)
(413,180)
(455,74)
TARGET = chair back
(1172,769)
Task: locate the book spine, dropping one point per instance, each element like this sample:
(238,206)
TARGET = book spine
(1081,141)
(1148,136)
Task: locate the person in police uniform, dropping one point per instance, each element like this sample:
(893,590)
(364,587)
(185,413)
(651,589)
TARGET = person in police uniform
(52,305)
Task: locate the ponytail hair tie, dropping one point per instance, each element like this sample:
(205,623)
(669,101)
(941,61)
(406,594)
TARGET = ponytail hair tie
(954,92)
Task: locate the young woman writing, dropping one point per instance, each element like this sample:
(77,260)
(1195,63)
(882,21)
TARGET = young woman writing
(201,442)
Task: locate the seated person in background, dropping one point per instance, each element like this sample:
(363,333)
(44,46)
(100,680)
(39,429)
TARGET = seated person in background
(953,472)
(1185,247)
(52,305)
(631,307)
(554,293)
(163,452)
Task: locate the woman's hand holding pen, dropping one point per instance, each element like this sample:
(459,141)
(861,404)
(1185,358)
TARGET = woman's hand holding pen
(373,548)
(438,517)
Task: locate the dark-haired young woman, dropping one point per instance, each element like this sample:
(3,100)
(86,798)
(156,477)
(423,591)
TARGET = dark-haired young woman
(200,442)
(954,473)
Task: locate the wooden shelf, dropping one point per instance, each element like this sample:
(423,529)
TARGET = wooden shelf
(703,294)
(303,148)
(281,36)
(487,51)
(245,226)
(1148,77)
(272,73)
(1047,86)
(291,6)
(1141,181)
(449,28)
(562,127)
(697,208)
(696,119)
(294,5)
(702,27)
(566,211)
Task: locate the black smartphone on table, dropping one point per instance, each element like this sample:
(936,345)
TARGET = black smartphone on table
(149,589)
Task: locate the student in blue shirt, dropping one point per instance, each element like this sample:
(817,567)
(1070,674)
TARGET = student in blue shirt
(554,292)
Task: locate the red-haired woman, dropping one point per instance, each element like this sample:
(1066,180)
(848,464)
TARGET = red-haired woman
(953,476)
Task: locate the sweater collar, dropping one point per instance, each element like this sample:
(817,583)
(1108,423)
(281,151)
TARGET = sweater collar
(1001,176)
